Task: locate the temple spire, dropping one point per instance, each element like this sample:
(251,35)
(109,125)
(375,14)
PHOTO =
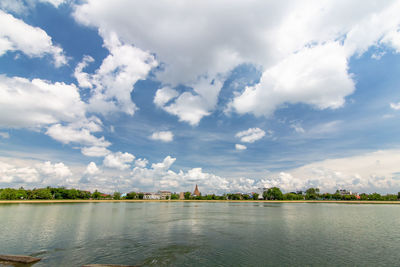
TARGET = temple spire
(196,192)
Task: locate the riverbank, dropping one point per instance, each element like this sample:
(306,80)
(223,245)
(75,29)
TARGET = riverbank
(202,201)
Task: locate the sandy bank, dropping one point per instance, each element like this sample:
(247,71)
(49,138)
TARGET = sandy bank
(198,201)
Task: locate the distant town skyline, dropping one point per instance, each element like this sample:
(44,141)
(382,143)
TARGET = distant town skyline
(233,96)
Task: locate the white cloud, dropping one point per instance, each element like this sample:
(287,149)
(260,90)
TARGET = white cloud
(316,76)
(25,103)
(57,170)
(95,151)
(113,82)
(92,169)
(21,7)
(395,106)
(55,3)
(44,173)
(251,135)
(295,44)
(240,147)
(164,136)
(297,128)
(79,135)
(164,95)
(4,135)
(83,78)
(55,106)
(369,172)
(15,6)
(189,107)
(118,160)
(13,174)
(141,163)
(32,41)
(392,39)
(165,165)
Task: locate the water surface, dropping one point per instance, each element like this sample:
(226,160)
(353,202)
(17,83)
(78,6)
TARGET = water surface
(203,234)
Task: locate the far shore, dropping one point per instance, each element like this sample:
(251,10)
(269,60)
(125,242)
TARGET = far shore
(218,201)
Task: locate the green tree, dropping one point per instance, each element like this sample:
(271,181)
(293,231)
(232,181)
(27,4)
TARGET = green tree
(255,196)
(21,193)
(273,193)
(41,193)
(131,195)
(374,196)
(187,195)
(141,195)
(174,196)
(312,193)
(117,196)
(96,194)
(8,194)
(245,196)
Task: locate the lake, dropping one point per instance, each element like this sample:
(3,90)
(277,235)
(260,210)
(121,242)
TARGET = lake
(203,234)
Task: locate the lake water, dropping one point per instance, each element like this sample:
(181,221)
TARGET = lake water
(203,234)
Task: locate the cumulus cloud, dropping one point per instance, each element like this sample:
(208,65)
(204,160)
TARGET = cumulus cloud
(191,107)
(164,136)
(118,160)
(4,135)
(302,48)
(81,133)
(165,164)
(45,173)
(297,128)
(55,3)
(55,106)
(21,7)
(92,169)
(34,103)
(251,135)
(114,81)
(366,172)
(96,150)
(13,174)
(317,76)
(16,35)
(58,170)
(14,6)
(164,95)
(395,106)
(141,163)
(240,147)
(369,172)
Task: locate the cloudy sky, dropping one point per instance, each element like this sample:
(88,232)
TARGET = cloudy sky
(230,95)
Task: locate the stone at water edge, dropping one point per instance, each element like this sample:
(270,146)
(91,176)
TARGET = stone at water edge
(19,258)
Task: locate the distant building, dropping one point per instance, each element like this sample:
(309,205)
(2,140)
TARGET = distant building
(344,192)
(181,196)
(165,194)
(151,196)
(196,192)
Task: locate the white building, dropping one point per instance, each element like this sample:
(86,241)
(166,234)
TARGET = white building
(165,194)
(151,196)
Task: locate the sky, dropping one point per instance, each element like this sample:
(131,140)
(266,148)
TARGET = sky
(231,95)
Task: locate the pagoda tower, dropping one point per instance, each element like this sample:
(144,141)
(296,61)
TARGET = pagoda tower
(196,192)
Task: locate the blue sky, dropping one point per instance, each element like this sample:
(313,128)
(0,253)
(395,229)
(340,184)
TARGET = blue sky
(147,96)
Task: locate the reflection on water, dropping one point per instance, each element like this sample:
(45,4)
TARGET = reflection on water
(202,234)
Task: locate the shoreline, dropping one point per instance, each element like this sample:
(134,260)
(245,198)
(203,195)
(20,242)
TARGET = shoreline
(51,201)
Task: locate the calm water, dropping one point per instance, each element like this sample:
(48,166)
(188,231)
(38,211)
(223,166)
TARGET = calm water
(203,234)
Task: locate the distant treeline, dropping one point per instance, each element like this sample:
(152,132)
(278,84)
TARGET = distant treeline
(273,193)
